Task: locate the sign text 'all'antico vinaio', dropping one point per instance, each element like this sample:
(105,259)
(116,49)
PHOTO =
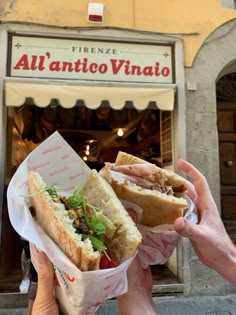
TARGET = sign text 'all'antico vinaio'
(90,60)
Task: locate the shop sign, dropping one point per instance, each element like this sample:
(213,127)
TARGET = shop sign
(89,60)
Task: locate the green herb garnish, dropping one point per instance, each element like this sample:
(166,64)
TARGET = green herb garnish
(97,244)
(97,226)
(75,201)
(52,190)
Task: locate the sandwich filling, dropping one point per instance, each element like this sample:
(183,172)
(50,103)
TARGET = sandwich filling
(142,182)
(87,220)
(146,187)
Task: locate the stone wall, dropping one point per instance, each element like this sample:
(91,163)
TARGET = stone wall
(202,138)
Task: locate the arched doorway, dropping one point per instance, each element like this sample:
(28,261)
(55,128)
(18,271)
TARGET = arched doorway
(226,124)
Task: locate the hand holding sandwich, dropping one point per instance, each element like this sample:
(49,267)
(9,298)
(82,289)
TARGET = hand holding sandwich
(45,303)
(209,237)
(137,299)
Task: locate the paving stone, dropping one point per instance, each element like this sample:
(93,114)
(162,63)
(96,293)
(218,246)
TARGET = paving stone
(210,305)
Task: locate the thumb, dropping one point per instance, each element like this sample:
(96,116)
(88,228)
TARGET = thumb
(45,268)
(45,303)
(185,228)
(45,277)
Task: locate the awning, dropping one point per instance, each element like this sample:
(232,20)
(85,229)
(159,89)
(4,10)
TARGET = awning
(68,93)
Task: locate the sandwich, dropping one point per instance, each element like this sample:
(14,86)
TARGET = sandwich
(91,226)
(159,192)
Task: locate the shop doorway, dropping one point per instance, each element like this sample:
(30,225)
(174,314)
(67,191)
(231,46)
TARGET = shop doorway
(226,122)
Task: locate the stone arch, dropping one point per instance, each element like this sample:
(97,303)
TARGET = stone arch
(222,37)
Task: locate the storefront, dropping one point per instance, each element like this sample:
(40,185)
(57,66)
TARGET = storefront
(105,71)
(104,91)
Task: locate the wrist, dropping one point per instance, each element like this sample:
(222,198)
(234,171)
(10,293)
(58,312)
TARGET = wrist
(138,301)
(227,266)
(45,287)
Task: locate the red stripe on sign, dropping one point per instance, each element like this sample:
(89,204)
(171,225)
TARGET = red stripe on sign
(95,18)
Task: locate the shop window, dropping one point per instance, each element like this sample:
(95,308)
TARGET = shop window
(96,135)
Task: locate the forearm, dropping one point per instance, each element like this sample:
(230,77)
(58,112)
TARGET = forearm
(137,302)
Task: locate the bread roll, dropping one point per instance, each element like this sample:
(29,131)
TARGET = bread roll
(154,194)
(177,182)
(53,218)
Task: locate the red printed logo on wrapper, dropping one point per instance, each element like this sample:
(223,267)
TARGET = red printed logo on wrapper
(41,165)
(68,277)
(61,170)
(63,276)
(52,149)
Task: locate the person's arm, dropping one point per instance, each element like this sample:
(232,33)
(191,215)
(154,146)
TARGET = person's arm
(138,300)
(209,237)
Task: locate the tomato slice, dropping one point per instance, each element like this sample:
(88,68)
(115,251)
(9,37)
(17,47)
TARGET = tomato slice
(114,262)
(89,210)
(105,263)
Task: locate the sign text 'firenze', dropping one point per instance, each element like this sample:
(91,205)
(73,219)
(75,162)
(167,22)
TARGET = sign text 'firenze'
(90,60)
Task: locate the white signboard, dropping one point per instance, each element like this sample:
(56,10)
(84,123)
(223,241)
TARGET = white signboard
(89,60)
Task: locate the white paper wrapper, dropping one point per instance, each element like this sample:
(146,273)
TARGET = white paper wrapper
(158,242)
(59,165)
